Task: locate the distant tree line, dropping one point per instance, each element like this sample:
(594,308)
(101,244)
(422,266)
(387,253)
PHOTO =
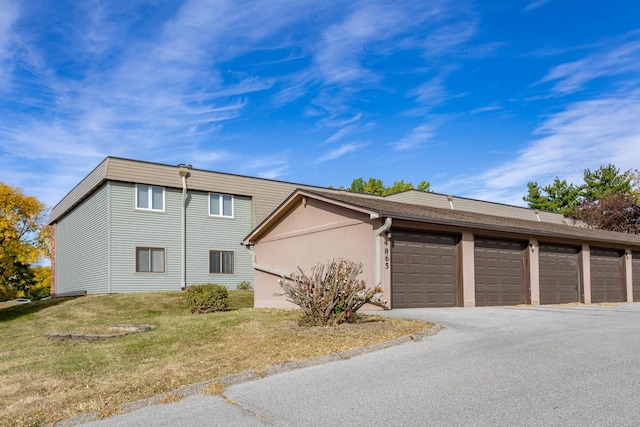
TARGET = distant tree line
(377,187)
(607,198)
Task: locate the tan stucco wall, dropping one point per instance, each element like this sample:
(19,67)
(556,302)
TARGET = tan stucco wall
(585,264)
(628,275)
(533,268)
(309,234)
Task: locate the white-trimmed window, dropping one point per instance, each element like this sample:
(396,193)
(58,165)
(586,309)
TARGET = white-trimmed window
(149,197)
(221,205)
(150,260)
(221,262)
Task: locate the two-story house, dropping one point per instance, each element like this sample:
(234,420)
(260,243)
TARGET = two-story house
(132,226)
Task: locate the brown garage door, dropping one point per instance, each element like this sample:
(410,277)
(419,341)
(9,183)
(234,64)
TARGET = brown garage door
(606,275)
(499,272)
(636,276)
(559,274)
(423,266)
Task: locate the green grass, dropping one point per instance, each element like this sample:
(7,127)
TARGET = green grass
(44,381)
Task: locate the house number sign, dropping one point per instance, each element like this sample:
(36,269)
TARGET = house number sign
(386,254)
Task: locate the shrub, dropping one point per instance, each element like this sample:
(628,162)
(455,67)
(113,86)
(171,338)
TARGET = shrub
(207,298)
(331,295)
(244,286)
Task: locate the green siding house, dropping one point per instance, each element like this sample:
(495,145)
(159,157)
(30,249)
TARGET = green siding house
(133,226)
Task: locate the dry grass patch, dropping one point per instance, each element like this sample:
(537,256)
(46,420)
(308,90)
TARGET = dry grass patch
(45,381)
(214,389)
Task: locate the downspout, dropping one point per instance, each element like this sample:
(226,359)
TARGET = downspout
(385,227)
(183,171)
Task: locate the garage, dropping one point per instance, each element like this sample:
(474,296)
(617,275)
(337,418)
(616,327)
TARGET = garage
(636,276)
(499,272)
(606,275)
(559,274)
(423,267)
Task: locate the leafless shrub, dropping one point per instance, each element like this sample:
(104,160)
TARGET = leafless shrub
(331,294)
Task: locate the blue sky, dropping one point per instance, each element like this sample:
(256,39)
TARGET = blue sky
(476,97)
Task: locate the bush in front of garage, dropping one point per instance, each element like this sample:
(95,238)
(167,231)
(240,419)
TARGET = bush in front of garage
(331,294)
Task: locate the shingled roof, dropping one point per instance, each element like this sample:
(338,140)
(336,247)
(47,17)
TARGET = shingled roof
(381,207)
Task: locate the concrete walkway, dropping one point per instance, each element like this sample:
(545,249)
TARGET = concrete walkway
(489,366)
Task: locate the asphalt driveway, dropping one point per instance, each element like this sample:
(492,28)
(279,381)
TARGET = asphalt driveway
(489,366)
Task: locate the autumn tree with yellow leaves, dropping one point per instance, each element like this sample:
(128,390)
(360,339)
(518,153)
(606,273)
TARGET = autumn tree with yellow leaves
(24,240)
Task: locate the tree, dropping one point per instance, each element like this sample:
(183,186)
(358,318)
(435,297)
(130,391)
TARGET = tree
(605,181)
(372,186)
(24,238)
(558,197)
(563,197)
(377,187)
(615,212)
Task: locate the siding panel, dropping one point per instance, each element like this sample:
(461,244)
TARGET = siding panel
(206,233)
(82,246)
(131,228)
(267,194)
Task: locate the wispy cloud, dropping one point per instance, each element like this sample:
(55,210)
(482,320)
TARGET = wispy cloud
(126,92)
(419,136)
(8,16)
(586,134)
(612,60)
(535,5)
(341,151)
(486,109)
(274,166)
(449,38)
(431,92)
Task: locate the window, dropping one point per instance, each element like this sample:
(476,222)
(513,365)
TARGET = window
(149,260)
(220,205)
(221,262)
(149,198)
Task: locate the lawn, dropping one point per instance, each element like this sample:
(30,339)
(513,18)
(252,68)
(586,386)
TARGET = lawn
(44,380)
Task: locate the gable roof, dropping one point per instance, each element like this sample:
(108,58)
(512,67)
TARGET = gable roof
(381,207)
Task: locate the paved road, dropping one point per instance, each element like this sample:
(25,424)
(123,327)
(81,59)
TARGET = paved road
(489,366)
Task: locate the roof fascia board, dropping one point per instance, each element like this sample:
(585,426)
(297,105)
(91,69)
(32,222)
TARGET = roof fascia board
(71,195)
(290,202)
(507,229)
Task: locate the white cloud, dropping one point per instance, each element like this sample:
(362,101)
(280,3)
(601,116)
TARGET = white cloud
(449,38)
(8,17)
(613,60)
(418,137)
(341,151)
(431,92)
(273,166)
(585,135)
(491,107)
(535,4)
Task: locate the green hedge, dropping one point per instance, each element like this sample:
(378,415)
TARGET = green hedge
(207,298)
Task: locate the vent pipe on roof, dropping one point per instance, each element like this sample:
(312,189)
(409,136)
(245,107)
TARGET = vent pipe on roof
(450,199)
